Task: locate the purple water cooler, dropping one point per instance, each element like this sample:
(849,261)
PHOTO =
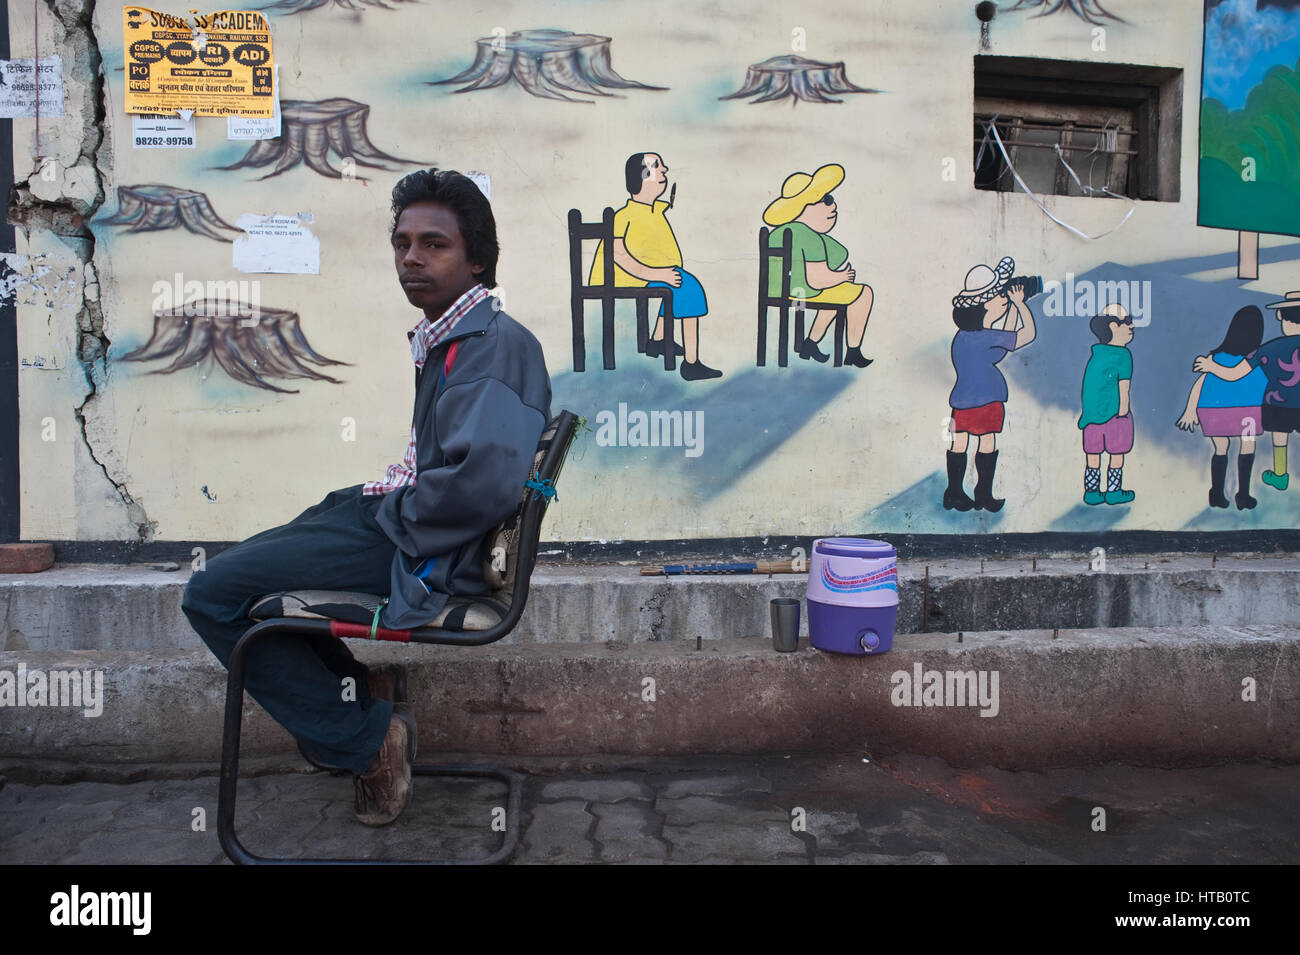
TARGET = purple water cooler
(852,595)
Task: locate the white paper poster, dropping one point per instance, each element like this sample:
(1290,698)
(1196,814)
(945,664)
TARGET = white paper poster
(16,88)
(277,243)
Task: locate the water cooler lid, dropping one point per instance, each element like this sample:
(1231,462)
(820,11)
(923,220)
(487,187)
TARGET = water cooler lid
(855,547)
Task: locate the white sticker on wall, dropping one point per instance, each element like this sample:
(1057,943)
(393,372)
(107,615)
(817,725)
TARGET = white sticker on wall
(163,132)
(276,243)
(481,180)
(253,127)
(17,87)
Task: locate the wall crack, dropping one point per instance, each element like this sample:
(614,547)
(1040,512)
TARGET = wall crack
(66,214)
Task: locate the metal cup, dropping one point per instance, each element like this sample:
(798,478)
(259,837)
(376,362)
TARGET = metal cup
(785,624)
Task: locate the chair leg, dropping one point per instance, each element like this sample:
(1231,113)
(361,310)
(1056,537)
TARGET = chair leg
(607,332)
(642,325)
(783,338)
(670,326)
(579,337)
(233,724)
(762,332)
(841,320)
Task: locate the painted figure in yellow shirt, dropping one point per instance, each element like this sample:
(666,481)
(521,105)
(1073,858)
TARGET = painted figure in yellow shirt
(646,254)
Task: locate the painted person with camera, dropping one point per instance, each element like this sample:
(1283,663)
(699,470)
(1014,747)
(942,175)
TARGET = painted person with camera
(992,320)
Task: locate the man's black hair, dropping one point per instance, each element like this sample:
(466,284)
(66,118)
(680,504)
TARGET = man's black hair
(466,200)
(1291,314)
(969,318)
(1245,332)
(634,173)
(1100,325)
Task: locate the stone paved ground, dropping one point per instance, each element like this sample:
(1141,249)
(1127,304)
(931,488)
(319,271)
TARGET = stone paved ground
(771,810)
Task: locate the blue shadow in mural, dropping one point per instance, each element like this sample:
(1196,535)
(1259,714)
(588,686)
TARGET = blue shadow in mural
(921,500)
(734,425)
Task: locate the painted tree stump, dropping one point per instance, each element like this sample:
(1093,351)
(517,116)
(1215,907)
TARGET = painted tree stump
(811,81)
(310,131)
(245,340)
(547,63)
(150,208)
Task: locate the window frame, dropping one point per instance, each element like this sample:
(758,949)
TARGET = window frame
(1043,91)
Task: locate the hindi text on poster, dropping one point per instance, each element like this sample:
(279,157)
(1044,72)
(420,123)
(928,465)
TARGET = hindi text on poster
(222,65)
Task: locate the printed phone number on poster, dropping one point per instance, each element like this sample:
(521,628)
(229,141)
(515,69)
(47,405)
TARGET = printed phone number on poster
(164,141)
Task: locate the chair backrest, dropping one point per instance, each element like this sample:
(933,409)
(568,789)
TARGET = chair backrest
(784,253)
(511,551)
(580,231)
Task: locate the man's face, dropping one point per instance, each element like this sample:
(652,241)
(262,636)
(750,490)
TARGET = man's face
(429,253)
(654,177)
(820,216)
(1121,333)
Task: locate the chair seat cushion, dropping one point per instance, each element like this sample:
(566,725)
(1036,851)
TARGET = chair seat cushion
(460,613)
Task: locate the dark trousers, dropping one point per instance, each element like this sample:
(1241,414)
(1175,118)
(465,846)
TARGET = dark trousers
(335,545)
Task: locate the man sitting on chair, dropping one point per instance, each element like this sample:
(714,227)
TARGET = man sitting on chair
(820,272)
(646,254)
(482,399)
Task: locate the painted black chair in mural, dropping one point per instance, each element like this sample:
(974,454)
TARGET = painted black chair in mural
(784,303)
(464,622)
(607,293)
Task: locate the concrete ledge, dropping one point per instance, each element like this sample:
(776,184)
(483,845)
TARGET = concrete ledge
(135,607)
(1159,697)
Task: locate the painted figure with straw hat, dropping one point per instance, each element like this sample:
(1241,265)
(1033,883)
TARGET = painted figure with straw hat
(992,321)
(820,272)
(1280,359)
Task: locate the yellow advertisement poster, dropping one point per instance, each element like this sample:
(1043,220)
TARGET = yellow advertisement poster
(220,65)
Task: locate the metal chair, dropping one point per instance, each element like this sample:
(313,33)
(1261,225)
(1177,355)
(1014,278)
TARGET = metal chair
(465,621)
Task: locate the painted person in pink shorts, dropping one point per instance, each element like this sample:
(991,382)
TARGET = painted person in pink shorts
(1107,420)
(1231,409)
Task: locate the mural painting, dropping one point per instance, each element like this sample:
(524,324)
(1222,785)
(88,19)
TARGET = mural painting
(1279,358)
(310,131)
(646,255)
(1226,409)
(992,321)
(1107,419)
(820,274)
(797,78)
(303,6)
(717,447)
(149,208)
(547,63)
(1248,178)
(245,340)
(1090,11)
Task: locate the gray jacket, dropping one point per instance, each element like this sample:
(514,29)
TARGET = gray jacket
(475,438)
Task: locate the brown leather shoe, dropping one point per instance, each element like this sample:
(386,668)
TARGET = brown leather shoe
(384,790)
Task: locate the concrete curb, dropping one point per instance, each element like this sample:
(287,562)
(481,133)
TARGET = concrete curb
(1159,697)
(134,607)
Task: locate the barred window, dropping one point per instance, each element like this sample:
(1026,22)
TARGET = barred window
(1077,129)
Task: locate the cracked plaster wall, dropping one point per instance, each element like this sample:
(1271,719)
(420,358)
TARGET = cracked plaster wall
(70,465)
